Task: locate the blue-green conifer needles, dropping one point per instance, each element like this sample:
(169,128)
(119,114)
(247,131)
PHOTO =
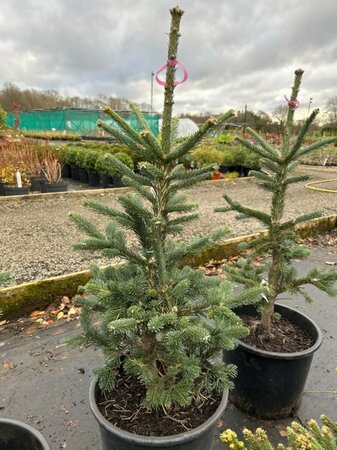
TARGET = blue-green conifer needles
(280,245)
(163,324)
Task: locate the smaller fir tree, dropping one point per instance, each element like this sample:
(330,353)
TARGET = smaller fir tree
(160,323)
(280,246)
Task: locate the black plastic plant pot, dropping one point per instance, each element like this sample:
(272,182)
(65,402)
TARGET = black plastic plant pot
(12,190)
(15,435)
(223,169)
(75,175)
(2,188)
(113,438)
(93,179)
(270,385)
(35,183)
(117,182)
(54,187)
(66,171)
(244,171)
(83,175)
(106,181)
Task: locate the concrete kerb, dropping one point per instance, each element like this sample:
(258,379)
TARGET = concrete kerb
(82,193)
(21,299)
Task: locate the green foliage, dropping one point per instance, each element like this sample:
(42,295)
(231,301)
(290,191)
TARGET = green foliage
(206,155)
(163,324)
(238,155)
(125,159)
(51,135)
(4,276)
(79,159)
(101,165)
(89,161)
(3,118)
(299,437)
(61,153)
(228,155)
(225,138)
(280,246)
(71,155)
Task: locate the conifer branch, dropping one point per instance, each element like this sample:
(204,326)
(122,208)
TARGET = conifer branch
(259,150)
(302,133)
(236,206)
(176,14)
(193,140)
(124,125)
(300,219)
(304,150)
(264,144)
(291,110)
(123,139)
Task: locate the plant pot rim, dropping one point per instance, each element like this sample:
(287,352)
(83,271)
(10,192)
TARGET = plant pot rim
(153,441)
(13,186)
(294,355)
(27,428)
(60,183)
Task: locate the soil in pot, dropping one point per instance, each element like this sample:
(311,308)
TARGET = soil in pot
(15,435)
(93,179)
(115,438)
(83,175)
(288,337)
(126,401)
(270,384)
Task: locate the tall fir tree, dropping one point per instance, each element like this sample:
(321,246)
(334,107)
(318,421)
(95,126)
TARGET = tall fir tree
(280,246)
(163,324)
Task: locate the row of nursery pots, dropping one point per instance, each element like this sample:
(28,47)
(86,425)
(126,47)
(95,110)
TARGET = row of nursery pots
(38,184)
(241,170)
(269,385)
(93,179)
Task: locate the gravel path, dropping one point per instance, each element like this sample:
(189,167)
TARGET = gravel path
(36,235)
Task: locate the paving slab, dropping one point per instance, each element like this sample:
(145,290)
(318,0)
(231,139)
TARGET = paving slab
(45,383)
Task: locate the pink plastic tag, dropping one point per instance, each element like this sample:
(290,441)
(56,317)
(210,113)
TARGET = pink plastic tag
(174,63)
(294,103)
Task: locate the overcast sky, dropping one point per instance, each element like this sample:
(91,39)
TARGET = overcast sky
(236,52)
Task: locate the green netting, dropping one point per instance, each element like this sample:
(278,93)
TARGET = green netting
(82,122)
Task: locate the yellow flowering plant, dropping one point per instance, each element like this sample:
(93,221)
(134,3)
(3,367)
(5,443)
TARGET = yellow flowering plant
(8,175)
(299,437)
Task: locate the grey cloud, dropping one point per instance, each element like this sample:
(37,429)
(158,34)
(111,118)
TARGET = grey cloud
(236,52)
